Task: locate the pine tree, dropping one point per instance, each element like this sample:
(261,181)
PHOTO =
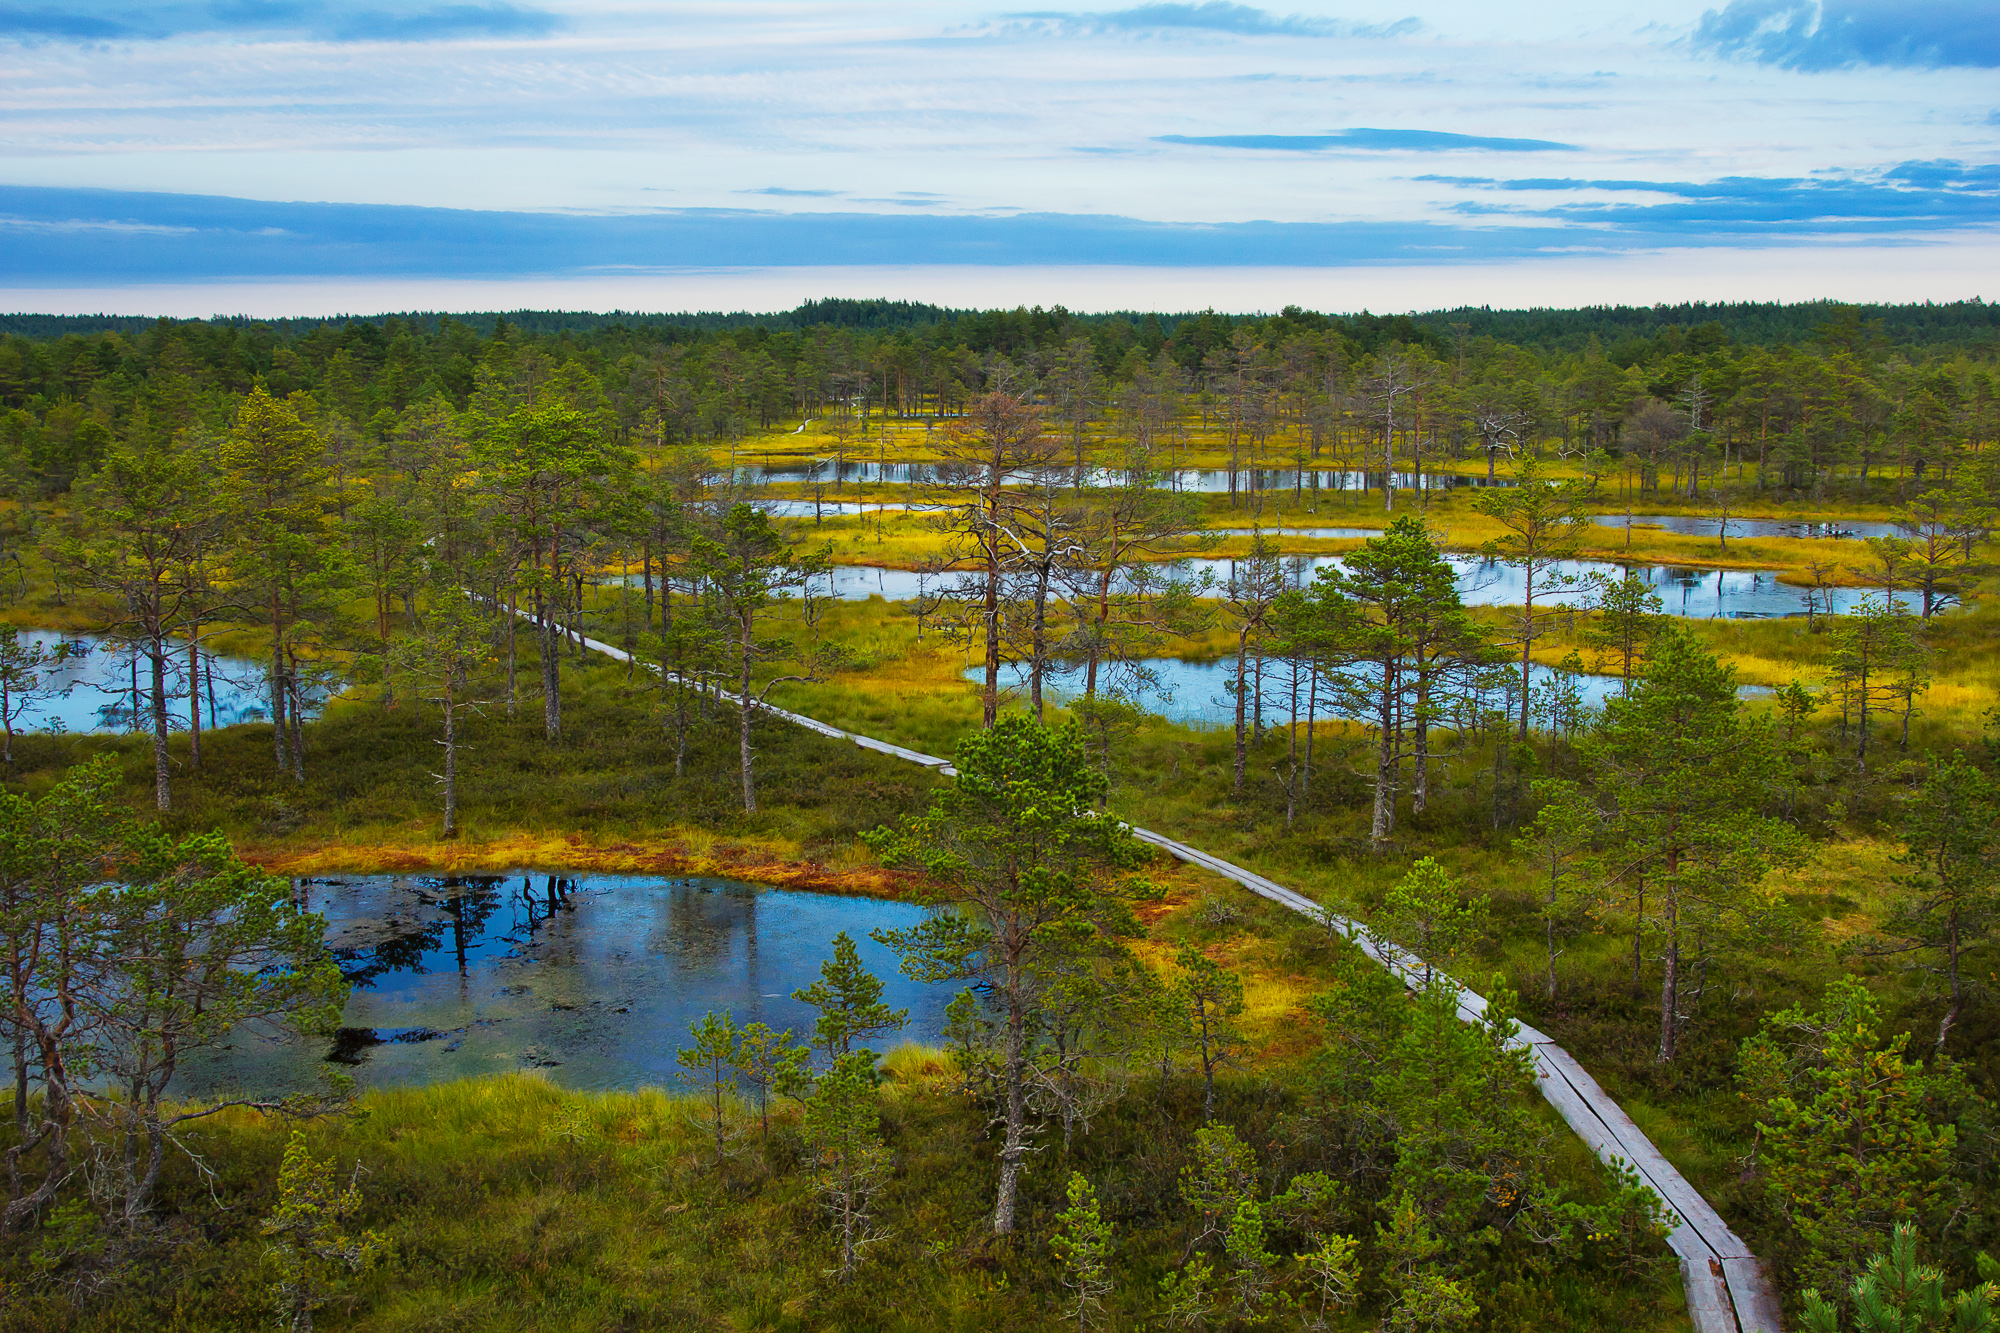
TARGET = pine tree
(1425,913)
(1332,1277)
(709,1060)
(1543,524)
(1019,840)
(312,1248)
(1847,1142)
(849,999)
(1951,902)
(1212,999)
(1683,775)
(843,1119)
(28,675)
(273,472)
(1390,631)
(1627,619)
(1896,1294)
(767,1061)
(1083,1243)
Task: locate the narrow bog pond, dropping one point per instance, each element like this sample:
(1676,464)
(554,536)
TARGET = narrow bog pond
(1698,594)
(1198,694)
(592,979)
(102,680)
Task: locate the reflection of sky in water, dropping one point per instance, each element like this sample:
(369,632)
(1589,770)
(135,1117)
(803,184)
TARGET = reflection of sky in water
(1197,693)
(593,979)
(1692,525)
(100,689)
(1700,594)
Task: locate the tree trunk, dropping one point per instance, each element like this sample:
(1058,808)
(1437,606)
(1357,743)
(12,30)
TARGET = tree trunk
(278,755)
(450,764)
(743,722)
(1014,1148)
(1527,644)
(156,659)
(1242,694)
(1670,982)
(1385,762)
(548,638)
(194,703)
(513,618)
(1957,1002)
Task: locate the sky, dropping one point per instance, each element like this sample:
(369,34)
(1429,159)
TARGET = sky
(299,157)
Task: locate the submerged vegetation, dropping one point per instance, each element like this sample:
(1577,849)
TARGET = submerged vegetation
(1763,923)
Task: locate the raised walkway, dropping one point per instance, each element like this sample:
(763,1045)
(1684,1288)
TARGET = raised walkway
(1728,1290)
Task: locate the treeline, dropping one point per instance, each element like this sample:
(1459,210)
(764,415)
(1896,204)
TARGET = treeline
(1970,324)
(1844,401)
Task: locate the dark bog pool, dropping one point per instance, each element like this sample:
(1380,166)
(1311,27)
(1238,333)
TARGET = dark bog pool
(592,979)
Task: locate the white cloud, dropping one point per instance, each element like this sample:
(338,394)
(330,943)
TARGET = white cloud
(946,109)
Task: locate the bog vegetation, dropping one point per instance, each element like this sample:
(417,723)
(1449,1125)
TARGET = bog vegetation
(1766,923)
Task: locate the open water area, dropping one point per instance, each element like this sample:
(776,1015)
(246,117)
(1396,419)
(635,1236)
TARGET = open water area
(592,979)
(1202,481)
(1702,525)
(98,685)
(1199,694)
(1698,594)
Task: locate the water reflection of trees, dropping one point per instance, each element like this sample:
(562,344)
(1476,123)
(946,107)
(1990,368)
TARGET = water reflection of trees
(699,922)
(450,907)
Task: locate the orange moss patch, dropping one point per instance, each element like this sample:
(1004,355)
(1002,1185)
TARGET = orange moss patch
(574,852)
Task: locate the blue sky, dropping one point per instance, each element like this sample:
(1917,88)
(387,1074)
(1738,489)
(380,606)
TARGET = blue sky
(1589,151)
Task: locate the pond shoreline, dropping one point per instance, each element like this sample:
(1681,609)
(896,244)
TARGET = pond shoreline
(573,855)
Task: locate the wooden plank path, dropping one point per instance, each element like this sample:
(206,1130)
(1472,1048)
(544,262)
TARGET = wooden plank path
(1728,1289)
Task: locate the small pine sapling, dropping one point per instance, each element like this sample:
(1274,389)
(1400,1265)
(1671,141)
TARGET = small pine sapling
(1250,1262)
(843,1120)
(1332,1278)
(710,1065)
(1424,915)
(1184,1294)
(311,1248)
(849,999)
(1896,1294)
(1222,1175)
(1212,1000)
(767,1061)
(1083,1243)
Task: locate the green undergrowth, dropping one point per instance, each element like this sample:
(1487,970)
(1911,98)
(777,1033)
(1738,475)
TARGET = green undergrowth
(509,1203)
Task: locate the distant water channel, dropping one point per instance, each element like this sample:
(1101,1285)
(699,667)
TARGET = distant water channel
(1698,525)
(1206,481)
(1198,694)
(1699,594)
(592,979)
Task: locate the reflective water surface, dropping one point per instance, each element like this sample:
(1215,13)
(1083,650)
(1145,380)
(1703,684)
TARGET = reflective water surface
(593,979)
(1695,525)
(1700,594)
(101,682)
(1209,481)
(1199,694)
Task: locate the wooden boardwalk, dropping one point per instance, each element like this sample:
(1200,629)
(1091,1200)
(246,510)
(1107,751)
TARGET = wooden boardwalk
(1728,1290)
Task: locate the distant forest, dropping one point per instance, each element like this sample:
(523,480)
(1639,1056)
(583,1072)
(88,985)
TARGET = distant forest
(1624,331)
(1802,391)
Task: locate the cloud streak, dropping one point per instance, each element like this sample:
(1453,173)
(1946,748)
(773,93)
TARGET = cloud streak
(318,19)
(1394,141)
(1926,196)
(1839,34)
(1213,16)
(52,236)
